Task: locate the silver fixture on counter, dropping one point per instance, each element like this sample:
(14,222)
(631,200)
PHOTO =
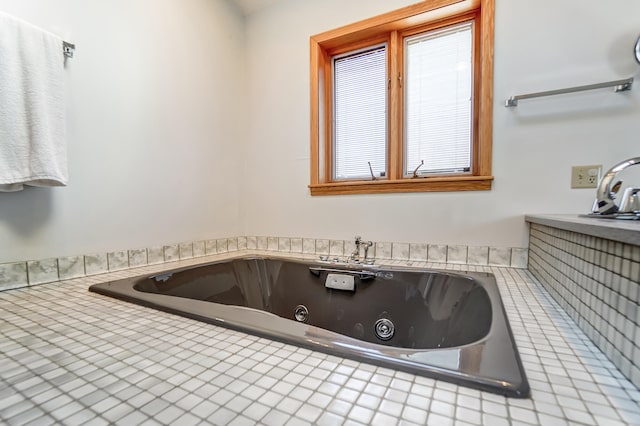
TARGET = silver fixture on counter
(605,205)
(630,202)
(618,85)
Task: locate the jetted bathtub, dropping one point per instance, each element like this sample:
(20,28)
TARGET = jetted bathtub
(446,325)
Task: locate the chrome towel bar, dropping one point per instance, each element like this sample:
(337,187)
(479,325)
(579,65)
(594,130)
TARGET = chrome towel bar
(618,85)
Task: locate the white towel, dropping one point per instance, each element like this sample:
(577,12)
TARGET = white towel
(32,122)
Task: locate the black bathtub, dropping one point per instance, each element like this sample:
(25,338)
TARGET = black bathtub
(446,325)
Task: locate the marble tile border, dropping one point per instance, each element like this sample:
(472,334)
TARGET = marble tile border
(42,271)
(96,263)
(71,267)
(22,274)
(138,257)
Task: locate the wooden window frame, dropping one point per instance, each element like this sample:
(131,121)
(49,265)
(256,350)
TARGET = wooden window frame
(392,27)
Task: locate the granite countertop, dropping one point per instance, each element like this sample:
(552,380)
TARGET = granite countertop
(624,231)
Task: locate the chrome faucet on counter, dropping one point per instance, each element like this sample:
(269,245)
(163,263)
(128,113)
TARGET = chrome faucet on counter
(629,205)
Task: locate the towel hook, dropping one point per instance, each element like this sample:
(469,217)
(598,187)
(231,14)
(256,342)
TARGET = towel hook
(68,49)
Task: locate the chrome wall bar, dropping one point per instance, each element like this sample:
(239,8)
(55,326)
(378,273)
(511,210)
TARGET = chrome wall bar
(618,85)
(68,49)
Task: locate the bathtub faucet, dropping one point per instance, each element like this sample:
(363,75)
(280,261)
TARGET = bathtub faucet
(366,252)
(355,256)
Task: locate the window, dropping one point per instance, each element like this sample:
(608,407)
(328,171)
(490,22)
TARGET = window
(360,106)
(402,102)
(438,101)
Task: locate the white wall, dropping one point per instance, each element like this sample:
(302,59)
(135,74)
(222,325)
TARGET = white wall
(539,45)
(154,128)
(166,146)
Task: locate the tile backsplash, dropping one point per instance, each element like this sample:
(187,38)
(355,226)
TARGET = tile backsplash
(73,267)
(597,281)
(42,271)
(32,272)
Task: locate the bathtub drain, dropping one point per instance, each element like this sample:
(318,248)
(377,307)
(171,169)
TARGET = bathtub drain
(384,329)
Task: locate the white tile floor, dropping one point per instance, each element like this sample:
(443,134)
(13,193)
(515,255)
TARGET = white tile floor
(68,356)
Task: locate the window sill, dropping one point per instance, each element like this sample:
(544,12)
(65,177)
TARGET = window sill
(435,184)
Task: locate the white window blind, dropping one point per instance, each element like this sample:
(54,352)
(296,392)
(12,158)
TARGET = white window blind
(360,111)
(438,100)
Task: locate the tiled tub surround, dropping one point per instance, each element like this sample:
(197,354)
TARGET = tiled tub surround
(21,274)
(33,272)
(597,281)
(74,357)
